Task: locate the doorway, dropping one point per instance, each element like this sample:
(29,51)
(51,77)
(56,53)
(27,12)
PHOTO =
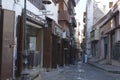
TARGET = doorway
(105,47)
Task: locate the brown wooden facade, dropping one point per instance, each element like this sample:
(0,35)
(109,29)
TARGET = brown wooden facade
(7,18)
(52,46)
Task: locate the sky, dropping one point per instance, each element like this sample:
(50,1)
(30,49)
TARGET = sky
(79,9)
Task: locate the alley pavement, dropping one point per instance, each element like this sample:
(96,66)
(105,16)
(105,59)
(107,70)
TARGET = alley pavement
(108,68)
(79,71)
(105,67)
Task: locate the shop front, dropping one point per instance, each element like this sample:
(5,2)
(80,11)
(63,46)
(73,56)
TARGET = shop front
(57,45)
(52,45)
(33,44)
(66,49)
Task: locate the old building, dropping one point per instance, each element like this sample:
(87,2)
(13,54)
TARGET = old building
(58,46)
(109,35)
(95,10)
(106,34)
(52,45)
(35,35)
(22,32)
(67,20)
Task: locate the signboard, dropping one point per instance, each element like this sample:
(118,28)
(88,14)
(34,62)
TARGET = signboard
(108,26)
(57,31)
(34,17)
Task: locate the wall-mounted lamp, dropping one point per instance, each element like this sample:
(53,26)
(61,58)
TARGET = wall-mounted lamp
(46,2)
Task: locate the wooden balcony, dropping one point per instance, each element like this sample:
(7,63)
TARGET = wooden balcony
(64,15)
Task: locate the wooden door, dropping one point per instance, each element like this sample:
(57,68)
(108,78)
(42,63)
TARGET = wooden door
(7,44)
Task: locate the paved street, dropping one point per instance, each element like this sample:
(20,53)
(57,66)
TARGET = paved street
(79,72)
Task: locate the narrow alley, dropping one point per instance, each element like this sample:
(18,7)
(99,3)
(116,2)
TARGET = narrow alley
(80,71)
(59,39)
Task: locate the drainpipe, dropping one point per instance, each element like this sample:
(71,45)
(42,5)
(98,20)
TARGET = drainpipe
(0,3)
(25,72)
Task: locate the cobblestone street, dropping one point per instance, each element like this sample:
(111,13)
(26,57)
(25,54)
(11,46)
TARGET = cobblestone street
(80,71)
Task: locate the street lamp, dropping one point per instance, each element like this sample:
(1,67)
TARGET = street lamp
(46,2)
(25,75)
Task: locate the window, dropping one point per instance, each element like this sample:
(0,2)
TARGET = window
(31,37)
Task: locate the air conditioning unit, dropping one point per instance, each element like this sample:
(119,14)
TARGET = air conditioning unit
(64,35)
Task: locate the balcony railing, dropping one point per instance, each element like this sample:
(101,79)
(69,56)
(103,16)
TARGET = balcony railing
(94,35)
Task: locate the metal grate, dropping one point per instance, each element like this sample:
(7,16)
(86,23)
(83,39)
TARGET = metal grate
(116,52)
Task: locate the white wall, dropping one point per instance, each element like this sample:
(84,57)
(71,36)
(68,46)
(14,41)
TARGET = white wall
(17,7)
(53,8)
(89,23)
